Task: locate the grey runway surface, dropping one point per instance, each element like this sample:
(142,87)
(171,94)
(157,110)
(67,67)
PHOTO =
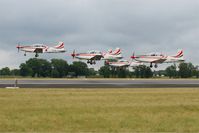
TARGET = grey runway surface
(101,83)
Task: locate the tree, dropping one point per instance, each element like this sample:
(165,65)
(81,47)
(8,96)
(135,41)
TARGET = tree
(79,68)
(186,70)
(39,67)
(15,72)
(123,73)
(59,68)
(171,71)
(105,71)
(143,71)
(196,72)
(25,70)
(148,72)
(92,72)
(5,71)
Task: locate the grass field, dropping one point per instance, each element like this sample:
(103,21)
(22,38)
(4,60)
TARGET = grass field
(99,110)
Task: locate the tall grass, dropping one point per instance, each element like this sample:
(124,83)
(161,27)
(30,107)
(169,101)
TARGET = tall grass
(99,110)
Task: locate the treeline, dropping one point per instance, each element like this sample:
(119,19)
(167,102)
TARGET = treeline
(56,68)
(59,68)
(185,70)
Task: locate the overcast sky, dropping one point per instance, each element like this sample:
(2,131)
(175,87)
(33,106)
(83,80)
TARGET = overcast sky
(140,26)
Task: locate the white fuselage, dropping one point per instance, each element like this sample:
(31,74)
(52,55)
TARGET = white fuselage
(41,48)
(150,59)
(32,48)
(112,57)
(119,64)
(91,55)
(171,59)
(86,56)
(55,50)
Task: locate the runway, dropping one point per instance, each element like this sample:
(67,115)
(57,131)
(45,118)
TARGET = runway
(100,83)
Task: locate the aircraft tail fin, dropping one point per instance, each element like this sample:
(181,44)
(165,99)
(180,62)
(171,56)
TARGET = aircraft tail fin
(179,54)
(117,51)
(60,45)
(110,51)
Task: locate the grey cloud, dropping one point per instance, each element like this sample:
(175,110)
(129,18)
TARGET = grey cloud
(134,25)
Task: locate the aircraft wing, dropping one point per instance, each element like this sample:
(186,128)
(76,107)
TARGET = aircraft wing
(161,60)
(119,65)
(96,57)
(38,50)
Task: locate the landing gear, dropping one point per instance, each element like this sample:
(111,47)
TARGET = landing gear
(91,62)
(156,65)
(151,65)
(36,55)
(24,54)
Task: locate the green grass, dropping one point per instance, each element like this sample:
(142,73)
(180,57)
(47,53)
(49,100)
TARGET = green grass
(99,110)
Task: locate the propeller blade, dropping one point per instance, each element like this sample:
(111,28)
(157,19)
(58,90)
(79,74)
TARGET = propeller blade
(133,56)
(73,54)
(18,47)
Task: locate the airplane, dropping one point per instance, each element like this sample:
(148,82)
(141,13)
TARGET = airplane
(42,48)
(157,58)
(113,55)
(124,64)
(119,64)
(90,56)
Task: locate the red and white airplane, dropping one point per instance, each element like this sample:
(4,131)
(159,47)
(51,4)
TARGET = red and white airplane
(119,64)
(42,48)
(156,58)
(113,55)
(91,56)
(124,64)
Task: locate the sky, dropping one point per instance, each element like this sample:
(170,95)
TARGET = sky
(140,26)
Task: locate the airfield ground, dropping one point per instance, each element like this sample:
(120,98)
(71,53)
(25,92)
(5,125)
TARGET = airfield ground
(99,110)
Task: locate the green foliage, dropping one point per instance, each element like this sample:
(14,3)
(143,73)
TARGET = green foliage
(171,71)
(196,72)
(15,72)
(5,71)
(39,67)
(186,70)
(143,71)
(79,68)
(59,68)
(25,70)
(92,72)
(105,71)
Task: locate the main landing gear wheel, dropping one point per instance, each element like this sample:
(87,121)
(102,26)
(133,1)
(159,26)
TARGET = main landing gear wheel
(25,54)
(156,65)
(151,65)
(37,55)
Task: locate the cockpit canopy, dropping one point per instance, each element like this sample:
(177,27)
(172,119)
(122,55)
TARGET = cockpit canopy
(94,52)
(156,54)
(39,45)
(123,61)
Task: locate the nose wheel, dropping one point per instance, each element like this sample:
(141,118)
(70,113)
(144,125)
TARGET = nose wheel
(151,65)
(36,55)
(91,62)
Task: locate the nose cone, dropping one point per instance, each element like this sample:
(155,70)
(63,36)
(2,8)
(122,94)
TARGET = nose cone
(73,55)
(133,57)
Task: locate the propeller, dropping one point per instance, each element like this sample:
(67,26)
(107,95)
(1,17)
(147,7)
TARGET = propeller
(133,56)
(18,47)
(73,54)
